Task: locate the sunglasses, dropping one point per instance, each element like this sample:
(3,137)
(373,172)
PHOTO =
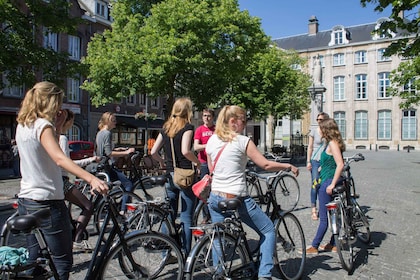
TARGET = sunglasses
(319,119)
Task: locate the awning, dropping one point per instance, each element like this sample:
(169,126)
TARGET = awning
(130,121)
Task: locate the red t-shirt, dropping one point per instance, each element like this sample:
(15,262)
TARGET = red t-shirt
(202,134)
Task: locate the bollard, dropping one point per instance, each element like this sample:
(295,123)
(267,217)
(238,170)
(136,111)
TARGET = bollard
(398,147)
(376,147)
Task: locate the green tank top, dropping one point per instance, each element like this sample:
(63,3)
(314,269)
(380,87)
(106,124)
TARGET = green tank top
(328,166)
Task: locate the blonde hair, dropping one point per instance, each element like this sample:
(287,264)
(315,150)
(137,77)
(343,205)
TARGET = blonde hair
(223,129)
(330,131)
(180,115)
(105,119)
(43,100)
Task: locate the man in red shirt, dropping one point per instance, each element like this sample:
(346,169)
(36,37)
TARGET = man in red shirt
(201,136)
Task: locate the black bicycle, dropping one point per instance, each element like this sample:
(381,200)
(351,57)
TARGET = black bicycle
(236,260)
(136,255)
(348,221)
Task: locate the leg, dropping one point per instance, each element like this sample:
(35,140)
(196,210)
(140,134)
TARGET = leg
(188,201)
(172,191)
(252,215)
(57,233)
(128,187)
(324,198)
(79,199)
(203,171)
(315,187)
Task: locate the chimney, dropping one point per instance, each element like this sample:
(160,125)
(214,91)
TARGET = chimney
(313,25)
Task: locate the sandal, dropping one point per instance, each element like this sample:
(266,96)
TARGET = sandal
(314,214)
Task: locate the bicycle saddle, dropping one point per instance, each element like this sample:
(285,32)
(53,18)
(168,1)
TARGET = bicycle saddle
(339,189)
(229,204)
(26,223)
(158,180)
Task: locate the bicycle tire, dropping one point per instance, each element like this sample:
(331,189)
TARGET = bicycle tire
(157,255)
(286,192)
(290,253)
(101,210)
(201,260)
(198,216)
(343,240)
(157,220)
(360,222)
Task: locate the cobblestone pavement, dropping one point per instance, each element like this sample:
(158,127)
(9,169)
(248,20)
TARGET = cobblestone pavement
(389,186)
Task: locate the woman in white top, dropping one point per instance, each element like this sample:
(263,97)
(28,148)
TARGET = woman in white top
(229,179)
(42,185)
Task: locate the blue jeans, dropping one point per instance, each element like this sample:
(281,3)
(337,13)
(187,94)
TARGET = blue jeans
(314,176)
(324,199)
(188,202)
(252,215)
(127,186)
(204,169)
(57,233)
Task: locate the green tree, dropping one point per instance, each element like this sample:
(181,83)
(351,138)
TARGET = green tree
(408,46)
(22,55)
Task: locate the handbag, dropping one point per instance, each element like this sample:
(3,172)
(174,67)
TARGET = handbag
(182,177)
(202,188)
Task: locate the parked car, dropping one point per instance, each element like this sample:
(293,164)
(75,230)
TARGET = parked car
(80,149)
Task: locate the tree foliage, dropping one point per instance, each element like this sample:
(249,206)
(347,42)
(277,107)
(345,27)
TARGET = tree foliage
(23,55)
(407,46)
(206,50)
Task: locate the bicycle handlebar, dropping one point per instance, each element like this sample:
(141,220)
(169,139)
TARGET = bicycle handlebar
(355,157)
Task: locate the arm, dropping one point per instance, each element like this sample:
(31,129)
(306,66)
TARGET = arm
(197,146)
(338,158)
(49,142)
(268,165)
(186,148)
(309,152)
(86,161)
(155,151)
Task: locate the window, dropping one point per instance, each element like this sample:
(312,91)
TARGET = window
(142,98)
(381,56)
(339,88)
(339,36)
(50,40)
(321,60)
(384,125)
(360,57)
(410,89)
(340,119)
(73,134)
(102,9)
(74,47)
(73,90)
(361,125)
(361,86)
(338,59)
(154,102)
(131,100)
(383,85)
(409,125)
(12,91)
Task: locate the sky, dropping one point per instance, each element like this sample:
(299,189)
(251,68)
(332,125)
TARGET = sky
(283,18)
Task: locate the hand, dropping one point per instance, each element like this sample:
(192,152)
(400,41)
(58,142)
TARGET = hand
(130,150)
(98,186)
(330,189)
(295,170)
(309,166)
(95,159)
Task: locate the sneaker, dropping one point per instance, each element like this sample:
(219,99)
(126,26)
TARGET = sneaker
(311,251)
(328,248)
(82,246)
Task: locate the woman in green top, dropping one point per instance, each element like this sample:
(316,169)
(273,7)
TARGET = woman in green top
(331,167)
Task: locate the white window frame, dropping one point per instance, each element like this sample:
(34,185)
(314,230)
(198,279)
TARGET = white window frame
(339,59)
(338,36)
(142,99)
(339,88)
(361,123)
(12,91)
(74,133)
(381,57)
(340,119)
(74,47)
(384,125)
(50,40)
(360,57)
(154,102)
(384,84)
(361,87)
(131,100)
(409,125)
(73,90)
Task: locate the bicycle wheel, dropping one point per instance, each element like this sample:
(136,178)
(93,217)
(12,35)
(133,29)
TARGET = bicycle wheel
(102,209)
(199,216)
(153,218)
(287,192)
(344,240)
(201,257)
(360,222)
(290,254)
(155,254)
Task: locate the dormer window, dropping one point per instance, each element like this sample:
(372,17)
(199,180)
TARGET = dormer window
(381,34)
(339,36)
(102,9)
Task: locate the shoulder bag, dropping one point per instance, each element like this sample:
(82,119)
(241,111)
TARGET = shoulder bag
(202,188)
(182,177)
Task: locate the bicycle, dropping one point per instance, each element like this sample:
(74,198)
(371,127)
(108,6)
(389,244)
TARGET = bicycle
(283,186)
(290,254)
(138,254)
(347,220)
